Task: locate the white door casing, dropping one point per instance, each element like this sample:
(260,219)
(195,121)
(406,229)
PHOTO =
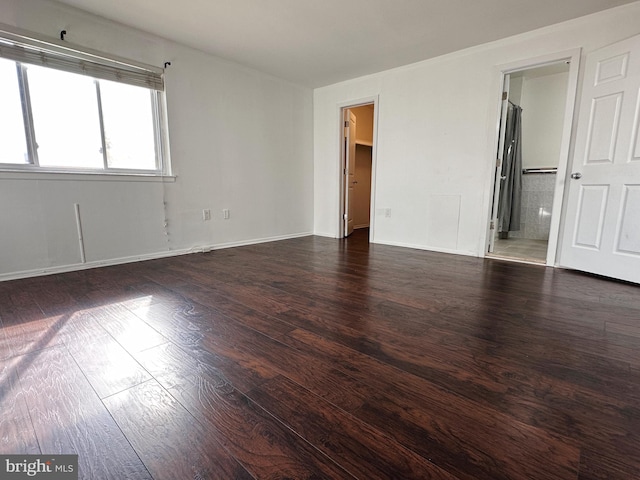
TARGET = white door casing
(602,222)
(493,226)
(349,170)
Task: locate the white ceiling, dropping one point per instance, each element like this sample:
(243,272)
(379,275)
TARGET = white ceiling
(320,42)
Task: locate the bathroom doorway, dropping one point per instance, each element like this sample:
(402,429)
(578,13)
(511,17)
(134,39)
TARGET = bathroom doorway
(529,153)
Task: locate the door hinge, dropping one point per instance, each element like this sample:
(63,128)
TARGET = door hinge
(344,216)
(492,226)
(498,163)
(346,124)
(505,95)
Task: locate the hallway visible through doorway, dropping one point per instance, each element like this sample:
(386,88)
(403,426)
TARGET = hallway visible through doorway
(357,167)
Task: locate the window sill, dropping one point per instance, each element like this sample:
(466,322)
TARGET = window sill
(86,176)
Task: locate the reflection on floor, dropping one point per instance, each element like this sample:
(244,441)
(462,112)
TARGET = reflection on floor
(521,248)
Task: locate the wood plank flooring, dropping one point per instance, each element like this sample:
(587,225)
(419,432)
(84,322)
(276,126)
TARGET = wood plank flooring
(318,358)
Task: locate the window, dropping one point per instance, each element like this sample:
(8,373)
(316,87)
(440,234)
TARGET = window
(13,145)
(64,112)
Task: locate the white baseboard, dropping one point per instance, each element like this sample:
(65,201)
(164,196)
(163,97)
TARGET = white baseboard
(255,241)
(325,234)
(38,272)
(429,248)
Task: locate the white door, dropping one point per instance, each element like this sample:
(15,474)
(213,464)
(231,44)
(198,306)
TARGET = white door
(602,226)
(497,184)
(349,170)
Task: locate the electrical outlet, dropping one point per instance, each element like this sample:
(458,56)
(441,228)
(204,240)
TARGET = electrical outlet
(225,213)
(206,214)
(387,212)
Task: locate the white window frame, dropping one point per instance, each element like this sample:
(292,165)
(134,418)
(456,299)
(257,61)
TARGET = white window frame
(27,48)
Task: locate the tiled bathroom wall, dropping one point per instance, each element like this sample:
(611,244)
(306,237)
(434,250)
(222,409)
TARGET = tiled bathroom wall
(537,200)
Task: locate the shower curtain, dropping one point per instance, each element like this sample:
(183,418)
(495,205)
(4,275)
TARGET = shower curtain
(510,203)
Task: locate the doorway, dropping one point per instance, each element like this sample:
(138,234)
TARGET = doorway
(357,167)
(530,152)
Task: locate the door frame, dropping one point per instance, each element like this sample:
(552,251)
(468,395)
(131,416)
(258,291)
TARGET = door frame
(558,210)
(497,181)
(341,107)
(349,168)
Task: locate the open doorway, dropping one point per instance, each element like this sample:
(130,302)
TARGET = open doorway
(532,131)
(357,171)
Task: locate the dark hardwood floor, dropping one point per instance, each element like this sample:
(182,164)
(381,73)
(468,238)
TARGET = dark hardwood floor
(320,358)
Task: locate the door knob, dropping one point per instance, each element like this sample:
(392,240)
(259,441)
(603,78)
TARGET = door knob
(576,175)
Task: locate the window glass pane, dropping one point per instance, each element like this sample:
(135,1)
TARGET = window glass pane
(128,126)
(13,143)
(65,118)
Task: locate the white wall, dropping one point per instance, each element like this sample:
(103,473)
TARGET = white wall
(436,130)
(239,139)
(515,89)
(543,103)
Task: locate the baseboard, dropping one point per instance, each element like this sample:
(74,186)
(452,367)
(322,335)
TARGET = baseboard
(255,241)
(38,272)
(324,234)
(429,248)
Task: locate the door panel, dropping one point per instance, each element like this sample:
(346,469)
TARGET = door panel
(590,221)
(614,68)
(603,128)
(635,151)
(602,233)
(629,229)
